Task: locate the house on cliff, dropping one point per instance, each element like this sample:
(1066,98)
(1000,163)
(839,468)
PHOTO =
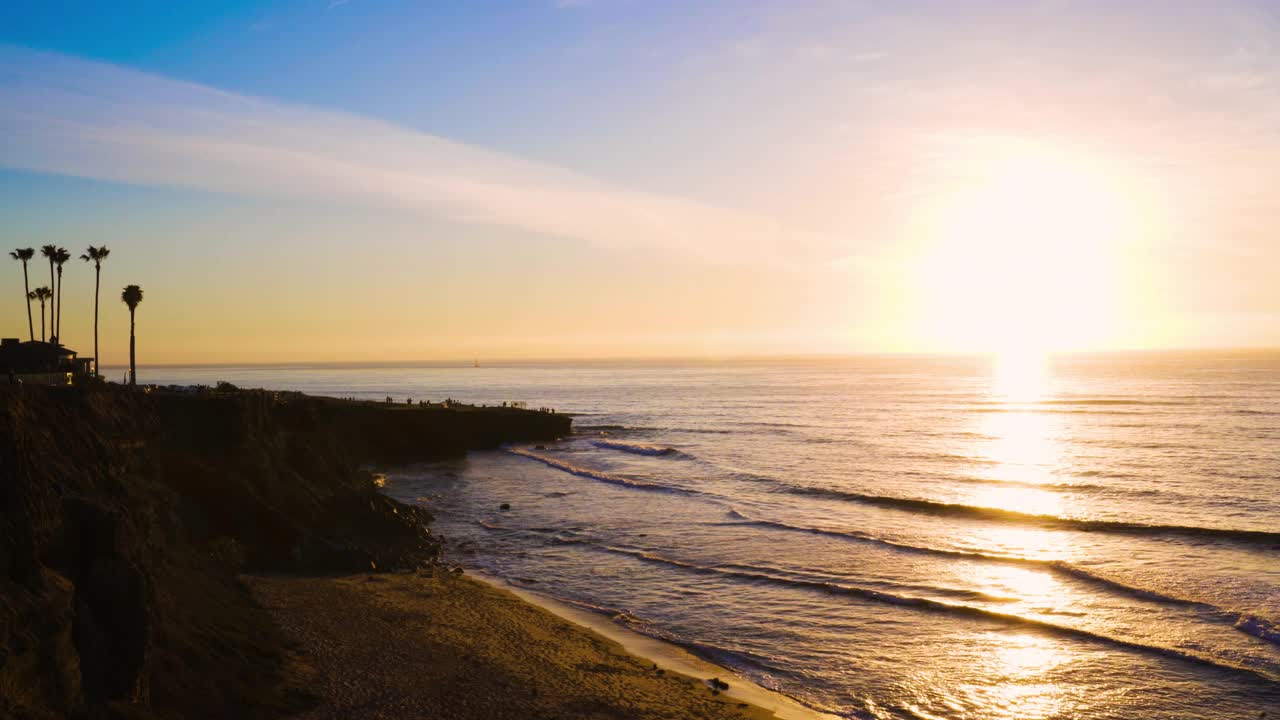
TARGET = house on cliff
(40,363)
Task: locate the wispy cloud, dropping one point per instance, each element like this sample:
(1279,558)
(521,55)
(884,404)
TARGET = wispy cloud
(70,116)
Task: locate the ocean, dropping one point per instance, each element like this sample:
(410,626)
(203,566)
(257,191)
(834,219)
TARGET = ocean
(889,537)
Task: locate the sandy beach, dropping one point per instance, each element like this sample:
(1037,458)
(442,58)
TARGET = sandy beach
(443,646)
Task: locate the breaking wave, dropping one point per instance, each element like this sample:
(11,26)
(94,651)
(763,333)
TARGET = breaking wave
(739,572)
(933,507)
(1258,627)
(600,476)
(635,448)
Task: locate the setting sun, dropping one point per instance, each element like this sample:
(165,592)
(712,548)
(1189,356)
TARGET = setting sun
(1024,255)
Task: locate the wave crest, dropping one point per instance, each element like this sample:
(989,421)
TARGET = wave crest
(739,572)
(599,475)
(933,507)
(635,448)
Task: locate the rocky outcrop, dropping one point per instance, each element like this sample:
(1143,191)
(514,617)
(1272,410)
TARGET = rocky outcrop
(125,518)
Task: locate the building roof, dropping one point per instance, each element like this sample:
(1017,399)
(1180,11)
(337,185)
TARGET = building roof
(33,356)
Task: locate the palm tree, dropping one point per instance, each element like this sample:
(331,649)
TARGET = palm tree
(41,294)
(131,296)
(25,254)
(96,255)
(59,259)
(50,252)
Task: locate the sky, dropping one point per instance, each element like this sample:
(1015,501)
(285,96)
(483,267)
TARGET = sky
(390,180)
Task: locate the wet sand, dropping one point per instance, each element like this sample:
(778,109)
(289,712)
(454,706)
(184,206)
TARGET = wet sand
(448,647)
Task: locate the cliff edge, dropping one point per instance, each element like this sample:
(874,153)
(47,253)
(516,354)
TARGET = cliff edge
(126,518)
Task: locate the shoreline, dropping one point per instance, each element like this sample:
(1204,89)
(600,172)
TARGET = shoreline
(667,655)
(396,645)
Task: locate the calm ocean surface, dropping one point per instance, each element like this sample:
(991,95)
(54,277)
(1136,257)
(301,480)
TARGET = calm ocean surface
(890,537)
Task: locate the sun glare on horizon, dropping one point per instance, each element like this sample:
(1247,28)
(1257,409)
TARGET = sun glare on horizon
(1025,254)
(1020,375)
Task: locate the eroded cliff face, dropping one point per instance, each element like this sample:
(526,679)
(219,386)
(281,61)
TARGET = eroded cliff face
(126,518)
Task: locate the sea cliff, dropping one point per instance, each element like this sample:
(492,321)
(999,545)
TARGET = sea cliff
(127,519)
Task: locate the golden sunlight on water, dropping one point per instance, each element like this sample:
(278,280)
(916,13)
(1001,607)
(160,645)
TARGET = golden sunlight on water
(1018,499)
(1009,580)
(1021,542)
(1015,665)
(1021,446)
(1020,665)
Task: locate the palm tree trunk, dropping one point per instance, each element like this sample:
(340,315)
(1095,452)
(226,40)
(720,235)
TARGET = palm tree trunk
(97,281)
(133,358)
(26,284)
(52,285)
(41,322)
(57,325)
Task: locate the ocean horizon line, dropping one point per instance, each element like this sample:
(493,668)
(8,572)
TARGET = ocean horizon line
(746,358)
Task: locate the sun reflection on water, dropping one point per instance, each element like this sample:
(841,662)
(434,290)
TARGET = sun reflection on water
(1021,446)
(1032,501)
(1013,679)
(1019,667)
(1022,542)
(1021,439)
(1038,587)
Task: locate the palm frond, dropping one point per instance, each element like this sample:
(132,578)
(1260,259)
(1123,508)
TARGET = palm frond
(95,255)
(131,296)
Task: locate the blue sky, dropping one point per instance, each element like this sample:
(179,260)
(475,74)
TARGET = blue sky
(644,177)
(493,73)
